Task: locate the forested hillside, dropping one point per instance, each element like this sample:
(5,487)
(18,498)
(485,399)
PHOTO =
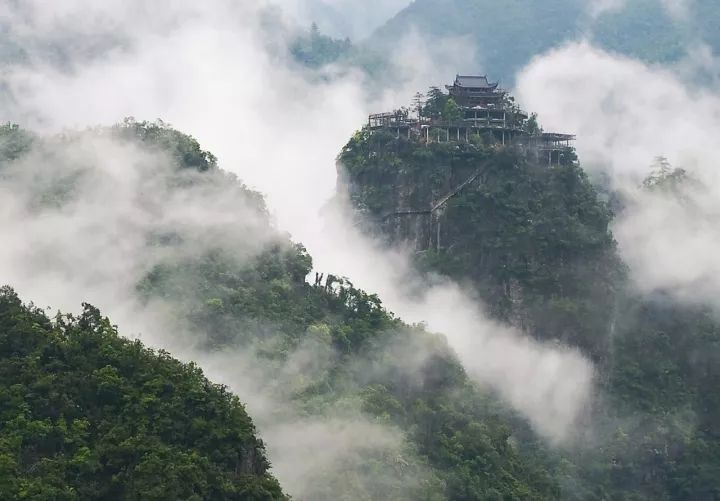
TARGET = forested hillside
(534,242)
(87,414)
(314,50)
(506,35)
(511,329)
(237,286)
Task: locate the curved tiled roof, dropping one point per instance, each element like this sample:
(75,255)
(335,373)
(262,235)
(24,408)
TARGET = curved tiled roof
(474,82)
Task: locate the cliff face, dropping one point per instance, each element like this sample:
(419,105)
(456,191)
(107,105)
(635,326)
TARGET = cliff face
(319,354)
(532,239)
(395,185)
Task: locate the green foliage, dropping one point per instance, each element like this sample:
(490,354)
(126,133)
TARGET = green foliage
(89,415)
(532,126)
(255,296)
(452,111)
(14,142)
(662,437)
(508,34)
(314,49)
(643,29)
(534,242)
(436,103)
(233,303)
(160,136)
(668,181)
(265,302)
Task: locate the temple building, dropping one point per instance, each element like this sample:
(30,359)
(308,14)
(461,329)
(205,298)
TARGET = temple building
(487,111)
(486,107)
(470,91)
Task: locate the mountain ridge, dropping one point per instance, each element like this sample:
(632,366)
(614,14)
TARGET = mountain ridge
(507,35)
(534,241)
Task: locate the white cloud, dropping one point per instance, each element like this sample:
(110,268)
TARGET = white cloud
(627,113)
(678,9)
(205,69)
(598,7)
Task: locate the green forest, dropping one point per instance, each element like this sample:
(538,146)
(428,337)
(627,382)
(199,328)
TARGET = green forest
(534,241)
(505,36)
(169,332)
(87,414)
(452,429)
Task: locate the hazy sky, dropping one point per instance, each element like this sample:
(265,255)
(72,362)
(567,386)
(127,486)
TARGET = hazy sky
(344,18)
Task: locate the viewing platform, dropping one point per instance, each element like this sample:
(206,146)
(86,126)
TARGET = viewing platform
(474,109)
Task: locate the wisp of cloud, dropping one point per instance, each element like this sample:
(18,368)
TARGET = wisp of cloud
(627,113)
(210,70)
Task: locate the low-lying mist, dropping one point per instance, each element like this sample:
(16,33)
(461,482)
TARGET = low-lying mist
(626,114)
(208,71)
(88,216)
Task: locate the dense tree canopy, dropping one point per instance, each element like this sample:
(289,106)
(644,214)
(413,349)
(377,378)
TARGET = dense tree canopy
(243,295)
(508,34)
(87,414)
(534,242)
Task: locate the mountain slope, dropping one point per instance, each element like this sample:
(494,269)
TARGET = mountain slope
(533,241)
(197,251)
(506,35)
(89,415)
(503,34)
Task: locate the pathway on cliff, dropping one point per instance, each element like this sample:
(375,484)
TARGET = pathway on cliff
(443,201)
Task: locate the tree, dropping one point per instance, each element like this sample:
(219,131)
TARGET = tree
(536,244)
(452,111)
(418,104)
(532,126)
(87,414)
(664,177)
(435,104)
